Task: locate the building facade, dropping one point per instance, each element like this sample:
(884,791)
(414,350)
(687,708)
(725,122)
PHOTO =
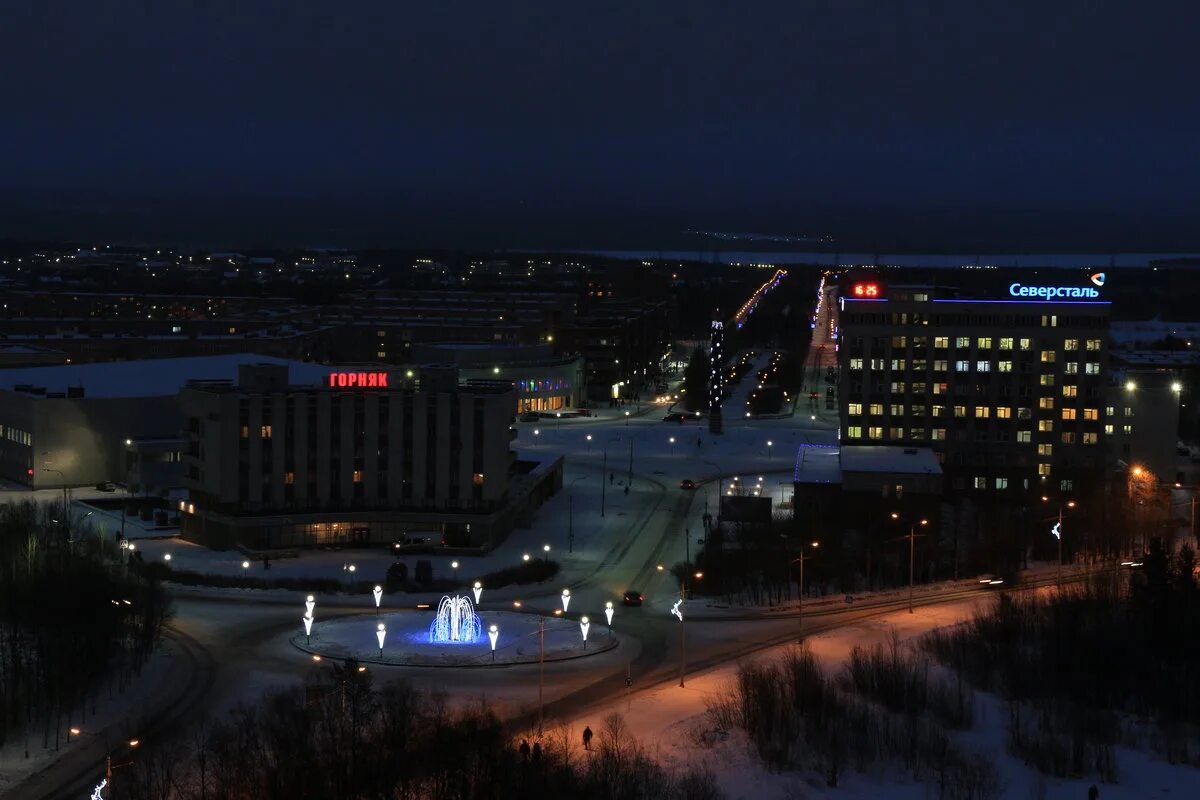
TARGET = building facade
(1007,382)
(358,457)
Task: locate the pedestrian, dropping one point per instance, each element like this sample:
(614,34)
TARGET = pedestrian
(1093,793)
(524,749)
(587,738)
(537,752)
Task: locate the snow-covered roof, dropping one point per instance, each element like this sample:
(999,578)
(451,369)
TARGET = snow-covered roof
(156,377)
(887,458)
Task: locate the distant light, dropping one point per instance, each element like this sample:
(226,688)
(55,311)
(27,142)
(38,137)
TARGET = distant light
(1130,386)
(167,557)
(1176,387)
(245,565)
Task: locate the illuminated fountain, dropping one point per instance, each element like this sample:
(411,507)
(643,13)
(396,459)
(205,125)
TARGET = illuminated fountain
(456,622)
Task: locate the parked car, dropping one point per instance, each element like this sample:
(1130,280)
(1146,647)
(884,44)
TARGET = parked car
(632,598)
(677,416)
(106,486)
(687,483)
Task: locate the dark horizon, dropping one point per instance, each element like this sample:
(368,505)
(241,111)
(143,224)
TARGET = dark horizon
(921,128)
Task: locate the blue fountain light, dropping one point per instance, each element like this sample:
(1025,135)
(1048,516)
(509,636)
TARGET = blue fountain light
(456,622)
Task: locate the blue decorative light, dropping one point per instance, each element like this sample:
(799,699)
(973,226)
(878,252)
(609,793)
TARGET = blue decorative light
(456,622)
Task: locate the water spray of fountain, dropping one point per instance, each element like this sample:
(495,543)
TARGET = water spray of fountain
(456,621)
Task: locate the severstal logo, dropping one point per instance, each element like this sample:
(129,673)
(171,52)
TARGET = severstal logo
(1098,278)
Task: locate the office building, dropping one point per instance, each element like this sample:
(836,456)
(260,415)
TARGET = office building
(1005,379)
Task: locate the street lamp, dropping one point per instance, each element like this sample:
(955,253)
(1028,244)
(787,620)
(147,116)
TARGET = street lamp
(608,613)
(770,444)
(454,566)
(584,625)
(378,593)
(566,598)
(525,557)
(1057,532)
(308,622)
(546,550)
(800,593)
(245,565)
(380,632)
(478,590)
(589,441)
(493,635)
(912,538)
(672,441)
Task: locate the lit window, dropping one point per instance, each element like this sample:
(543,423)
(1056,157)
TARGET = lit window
(1068,438)
(1045,449)
(1071,368)
(981,412)
(962,341)
(381,354)
(854,432)
(896,433)
(1006,343)
(1048,356)
(1026,344)
(289,478)
(896,410)
(1068,413)
(941,342)
(1091,438)
(245,432)
(962,366)
(1069,391)
(358,476)
(1128,430)
(1024,437)
(1001,483)
(856,363)
(897,387)
(980,482)
(1045,425)
(983,342)
(899,341)
(938,411)
(1046,380)
(1093,344)
(897,363)
(1003,412)
(941,365)
(1004,366)
(1092,368)
(1128,411)
(983,366)
(960,411)
(1091,414)
(1046,402)
(876,408)
(1043,470)
(1108,430)
(266,431)
(1049,320)
(1070,344)
(1066,485)
(939,434)
(875,432)
(854,409)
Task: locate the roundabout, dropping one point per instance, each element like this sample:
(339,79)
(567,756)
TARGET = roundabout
(455,635)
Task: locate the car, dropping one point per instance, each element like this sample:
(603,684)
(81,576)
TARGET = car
(687,483)
(106,486)
(677,416)
(632,597)
(530,416)
(583,412)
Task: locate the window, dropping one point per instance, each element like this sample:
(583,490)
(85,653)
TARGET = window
(1091,368)
(939,434)
(1024,437)
(1043,470)
(381,354)
(1093,344)
(983,366)
(358,476)
(941,365)
(918,411)
(962,341)
(983,342)
(980,482)
(1026,344)
(856,363)
(1068,437)
(875,432)
(897,363)
(897,387)
(1003,412)
(1066,485)
(896,410)
(960,411)
(1001,483)
(876,408)
(938,411)
(1071,368)
(878,364)
(1046,380)
(1045,425)
(1046,402)
(1091,414)
(1045,449)
(920,341)
(981,412)
(266,431)
(1070,344)
(1049,320)
(1068,413)
(1069,391)
(896,433)
(854,432)
(941,342)
(1048,356)
(1108,430)
(899,341)
(1109,411)
(962,365)
(1004,366)
(1006,343)
(918,388)
(1091,438)
(289,478)
(941,388)
(854,409)
(918,365)
(1024,413)
(245,432)
(1128,430)
(1129,411)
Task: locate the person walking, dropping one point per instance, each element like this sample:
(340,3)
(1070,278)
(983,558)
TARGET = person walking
(1093,793)
(587,738)
(524,749)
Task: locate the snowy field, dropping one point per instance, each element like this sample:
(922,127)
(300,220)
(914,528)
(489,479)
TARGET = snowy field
(671,722)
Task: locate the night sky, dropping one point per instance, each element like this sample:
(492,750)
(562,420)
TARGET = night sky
(927,125)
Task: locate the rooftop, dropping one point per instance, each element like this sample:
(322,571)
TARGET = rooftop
(826,463)
(156,377)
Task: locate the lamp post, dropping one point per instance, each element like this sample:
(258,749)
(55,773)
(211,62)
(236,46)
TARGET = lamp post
(493,635)
(770,444)
(802,559)
(677,610)
(310,603)
(545,552)
(589,441)
(584,625)
(377,592)
(380,633)
(566,599)
(1057,532)
(478,590)
(608,613)
(454,566)
(672,442)
(912,538)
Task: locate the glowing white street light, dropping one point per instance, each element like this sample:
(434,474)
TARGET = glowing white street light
(380,632)
(546,550)
(378,594)
(454,566)
(566,598)
(478,590)
(310,602)
(245,565)
(308,621)
(525,557)
(493,635)
(608,612)
(584,625)
(167,557)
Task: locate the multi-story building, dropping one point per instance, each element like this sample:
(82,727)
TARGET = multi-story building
(1005,380)
(361,456)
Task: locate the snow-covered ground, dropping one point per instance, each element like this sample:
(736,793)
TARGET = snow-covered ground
(671,722)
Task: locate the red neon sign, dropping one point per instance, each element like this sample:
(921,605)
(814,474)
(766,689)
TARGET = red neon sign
(865,290)
(357,380)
